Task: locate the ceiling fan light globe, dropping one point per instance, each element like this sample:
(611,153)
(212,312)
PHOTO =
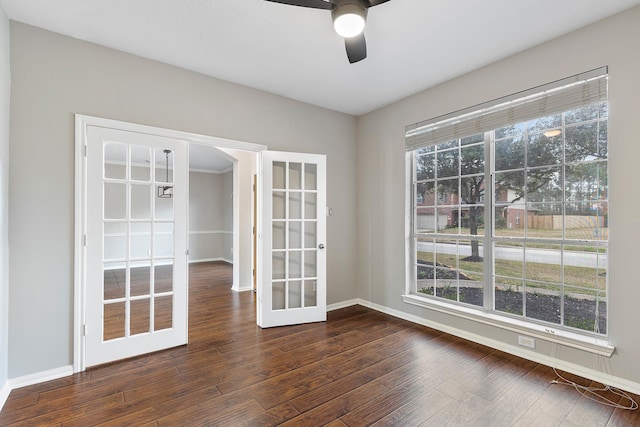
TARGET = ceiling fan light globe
(349,20)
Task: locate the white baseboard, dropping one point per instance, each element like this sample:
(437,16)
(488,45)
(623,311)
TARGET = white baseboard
(343,304)
(194,261)
(40,377)
(35,378)
(592,374)
(243,289)
(4,394)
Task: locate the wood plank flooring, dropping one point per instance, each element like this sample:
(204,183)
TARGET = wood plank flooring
(359,368)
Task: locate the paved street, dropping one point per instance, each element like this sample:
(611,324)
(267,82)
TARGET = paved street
(546,256)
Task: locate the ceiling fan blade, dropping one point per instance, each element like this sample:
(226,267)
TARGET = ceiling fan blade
(376,2)
(356,48)
(316,4)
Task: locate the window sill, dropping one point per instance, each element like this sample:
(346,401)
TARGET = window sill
(546,333)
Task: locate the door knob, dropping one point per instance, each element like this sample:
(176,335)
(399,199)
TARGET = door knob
(320,246)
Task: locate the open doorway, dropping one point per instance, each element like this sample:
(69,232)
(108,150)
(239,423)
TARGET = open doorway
(210,205)
(221,203)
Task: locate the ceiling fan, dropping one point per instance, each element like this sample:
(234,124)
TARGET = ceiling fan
(348,16)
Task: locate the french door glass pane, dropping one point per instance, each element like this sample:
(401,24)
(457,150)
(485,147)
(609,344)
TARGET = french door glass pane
(164,166)
(279,175)
(115,247)
(140,280)
(114,321)
(140,163)
(140,316)
(163,313)
(163,240)
(141,201)
(295,205)
(295,176)
(278,205)
(310,176)
(295,235)
(278,235)
(310,264)
(310,293)
(295,294)
(163,278)
(115,281)
(140,240)
(278,265)
(295,264)
(164,209)
(115,158)
(310,205)
(278,295)
(310,233)
(115,200)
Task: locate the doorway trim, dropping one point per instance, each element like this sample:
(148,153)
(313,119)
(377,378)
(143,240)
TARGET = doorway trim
(80,208)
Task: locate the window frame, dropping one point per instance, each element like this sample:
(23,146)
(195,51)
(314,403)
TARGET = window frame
(585,340)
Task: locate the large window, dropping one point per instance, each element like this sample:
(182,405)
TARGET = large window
(513,220)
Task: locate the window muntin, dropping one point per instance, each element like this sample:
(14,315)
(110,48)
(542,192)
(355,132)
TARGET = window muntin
(547,216)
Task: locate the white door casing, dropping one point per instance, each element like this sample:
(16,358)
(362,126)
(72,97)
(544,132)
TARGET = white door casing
(136,244)
(292,288)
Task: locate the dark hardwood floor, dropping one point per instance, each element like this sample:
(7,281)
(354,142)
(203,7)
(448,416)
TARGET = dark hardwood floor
(359,368)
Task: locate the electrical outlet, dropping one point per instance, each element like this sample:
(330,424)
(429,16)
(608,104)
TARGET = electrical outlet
(526,341)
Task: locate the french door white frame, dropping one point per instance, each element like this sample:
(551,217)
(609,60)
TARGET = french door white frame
(278,273)
(81,124)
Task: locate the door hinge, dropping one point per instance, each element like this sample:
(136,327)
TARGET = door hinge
(84,150)
(84,240)
(84,330)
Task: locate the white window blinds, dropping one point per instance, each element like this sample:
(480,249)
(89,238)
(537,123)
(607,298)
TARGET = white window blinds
(562,95)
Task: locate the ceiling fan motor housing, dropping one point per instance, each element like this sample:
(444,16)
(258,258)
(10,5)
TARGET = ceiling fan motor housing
(349,17)
(349,6)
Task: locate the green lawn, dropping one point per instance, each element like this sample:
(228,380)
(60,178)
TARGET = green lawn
(582,277)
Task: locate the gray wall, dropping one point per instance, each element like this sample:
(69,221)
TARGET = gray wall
(5,86)
(56,76)
(210,216)
(381,178)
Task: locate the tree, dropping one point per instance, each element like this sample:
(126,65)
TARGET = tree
(536,175)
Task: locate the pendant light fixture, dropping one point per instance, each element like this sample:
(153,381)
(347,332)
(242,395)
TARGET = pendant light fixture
(166,191)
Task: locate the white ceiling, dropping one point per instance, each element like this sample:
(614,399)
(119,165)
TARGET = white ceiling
(208,159)
(294,52)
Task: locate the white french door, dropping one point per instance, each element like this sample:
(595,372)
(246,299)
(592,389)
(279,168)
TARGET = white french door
(136,243)
(292,288)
